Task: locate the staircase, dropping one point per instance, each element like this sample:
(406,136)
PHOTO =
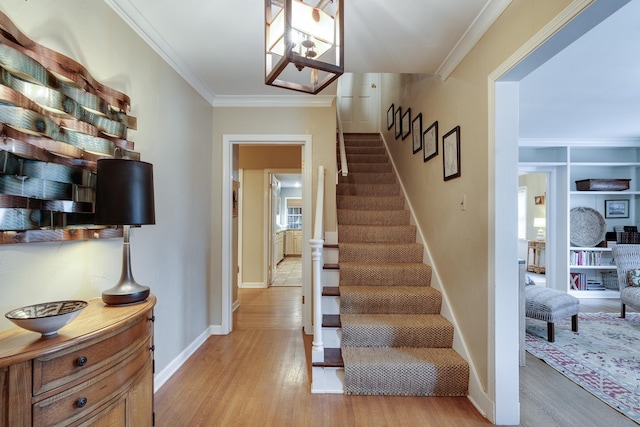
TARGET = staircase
(382,327)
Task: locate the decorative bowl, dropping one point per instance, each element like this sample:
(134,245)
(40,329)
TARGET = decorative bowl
(48,317)
(587,227)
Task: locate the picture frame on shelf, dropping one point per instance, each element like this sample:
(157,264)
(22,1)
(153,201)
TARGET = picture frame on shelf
(451,154)
(430,142)
(390,117)
(616,208)
(416,132)
(398,121)
(406,124)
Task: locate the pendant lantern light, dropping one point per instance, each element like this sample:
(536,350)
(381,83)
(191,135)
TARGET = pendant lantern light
(303,44)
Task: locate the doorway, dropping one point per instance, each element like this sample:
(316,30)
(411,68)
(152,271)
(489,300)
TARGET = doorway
(229,162)
(286,212)
(535,240)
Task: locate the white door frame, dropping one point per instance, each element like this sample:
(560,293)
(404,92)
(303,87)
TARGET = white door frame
(227,176)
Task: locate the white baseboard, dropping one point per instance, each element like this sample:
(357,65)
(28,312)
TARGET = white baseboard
(253,285)
(162,377)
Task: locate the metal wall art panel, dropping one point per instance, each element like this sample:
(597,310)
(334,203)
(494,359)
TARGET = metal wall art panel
(56,122)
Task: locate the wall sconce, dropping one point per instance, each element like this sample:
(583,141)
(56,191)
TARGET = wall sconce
(540,224)
(124,197)
(303,44)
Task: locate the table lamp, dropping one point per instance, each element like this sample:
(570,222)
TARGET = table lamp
(540,224)
(124,197)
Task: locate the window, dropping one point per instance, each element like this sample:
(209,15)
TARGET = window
(522,213)
(294,213)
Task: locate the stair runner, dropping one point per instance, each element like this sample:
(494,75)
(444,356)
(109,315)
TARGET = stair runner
(394,340)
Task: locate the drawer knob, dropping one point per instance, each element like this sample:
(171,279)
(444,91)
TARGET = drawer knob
(80,403)
(82,360)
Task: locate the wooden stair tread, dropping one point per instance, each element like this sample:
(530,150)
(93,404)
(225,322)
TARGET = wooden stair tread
(331,266)
(331,321)
(331,291)
(332,359)
(331,245)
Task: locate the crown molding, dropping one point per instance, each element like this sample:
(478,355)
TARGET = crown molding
(485,19)
(137,21)
(294,101)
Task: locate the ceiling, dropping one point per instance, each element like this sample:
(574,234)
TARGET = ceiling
(591,89)
(588,90)
(289,180)
(217,45)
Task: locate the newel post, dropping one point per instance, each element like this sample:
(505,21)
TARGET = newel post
(317,262)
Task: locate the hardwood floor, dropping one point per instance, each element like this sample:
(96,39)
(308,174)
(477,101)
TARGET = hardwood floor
(259,375)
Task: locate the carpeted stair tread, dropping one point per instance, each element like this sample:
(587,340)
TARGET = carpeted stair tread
(362,143)
(380,252)
(368,274)
(370,167)
(377,233)
(363,149)
(368,189)
(396,330)
(367,158)
(367,178)
(370,202)
(404,372)
(389,299)
(373,217)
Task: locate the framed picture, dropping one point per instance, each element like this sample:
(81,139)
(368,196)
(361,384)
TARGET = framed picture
(539,200)
(451,154)
(616,209)
(416,132)
(406,123)
(398,121)
(390,117)
(430,141)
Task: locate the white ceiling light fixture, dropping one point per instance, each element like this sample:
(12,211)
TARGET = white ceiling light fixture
(303,44)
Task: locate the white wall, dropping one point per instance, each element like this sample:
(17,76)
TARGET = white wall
(174,133)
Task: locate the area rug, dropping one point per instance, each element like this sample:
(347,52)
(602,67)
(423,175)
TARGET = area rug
(603,357)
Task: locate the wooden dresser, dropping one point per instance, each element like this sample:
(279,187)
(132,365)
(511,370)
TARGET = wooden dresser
(98,370)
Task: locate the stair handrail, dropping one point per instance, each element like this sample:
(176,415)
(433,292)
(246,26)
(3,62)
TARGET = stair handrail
(343,152)
(317,244)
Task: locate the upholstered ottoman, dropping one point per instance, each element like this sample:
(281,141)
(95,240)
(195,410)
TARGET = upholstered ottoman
(551,305)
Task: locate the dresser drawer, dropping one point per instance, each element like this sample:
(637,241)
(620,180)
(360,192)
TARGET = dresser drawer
(80,401)
(66,366)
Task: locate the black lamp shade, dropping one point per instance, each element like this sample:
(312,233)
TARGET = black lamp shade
(124,193)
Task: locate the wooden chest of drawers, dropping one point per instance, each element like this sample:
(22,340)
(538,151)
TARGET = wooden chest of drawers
(98,370)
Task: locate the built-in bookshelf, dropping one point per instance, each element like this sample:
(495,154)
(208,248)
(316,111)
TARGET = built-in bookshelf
(592,269)
(587,271)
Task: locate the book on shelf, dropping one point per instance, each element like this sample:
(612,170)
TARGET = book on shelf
(594,285)
(585,257)
(578,281)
